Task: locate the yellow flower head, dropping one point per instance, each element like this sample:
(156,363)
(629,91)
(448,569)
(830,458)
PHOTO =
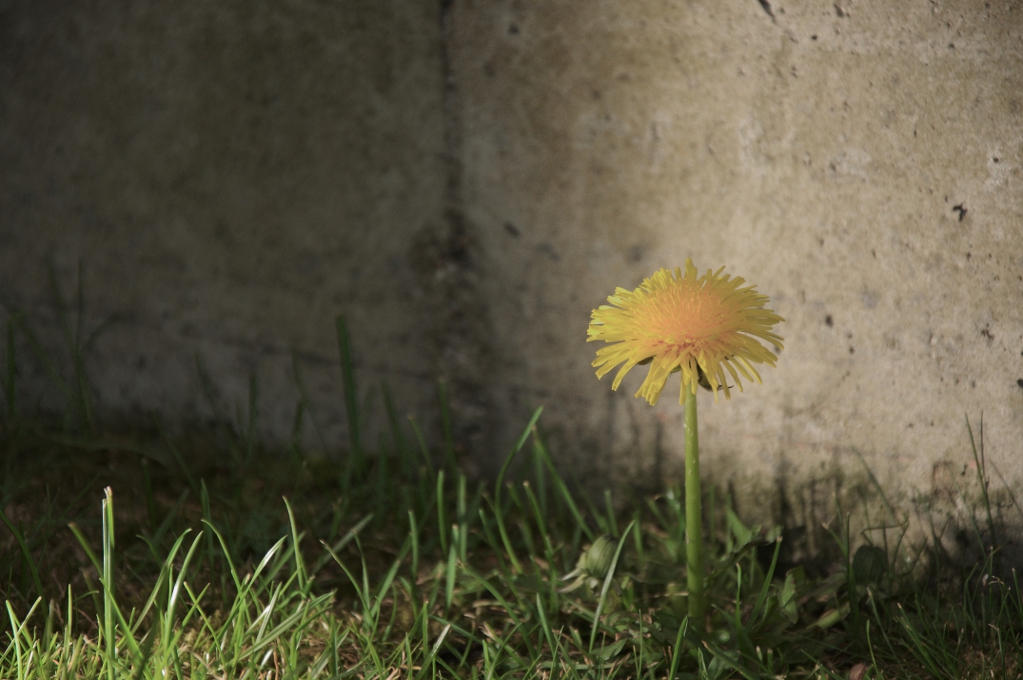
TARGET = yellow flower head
(701,326)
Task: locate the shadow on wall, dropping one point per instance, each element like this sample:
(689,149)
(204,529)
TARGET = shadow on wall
(963,517)
(970,513)
(456,332)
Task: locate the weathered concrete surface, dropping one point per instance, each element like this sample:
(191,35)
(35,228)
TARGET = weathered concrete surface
(466,180)
(859,161)
(231,175)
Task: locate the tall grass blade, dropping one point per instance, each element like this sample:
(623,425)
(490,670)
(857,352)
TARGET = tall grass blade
(612,522)
(297,424)
(351,400)
(304,583)
(563,492)
(26,554)
(83,405)
(442,531)
(541,522)
(337,547)
(252,418)
(49,366)
(209,390)
(108,581)
(147,491)
(602,601)
(499,485)
(423,449)
(449,576)
(463,518)
(758,608)
(979,462)
(398,440)
(296,370)
(10,377)
(445,419)
(382,485)
(676,651)
(207,518)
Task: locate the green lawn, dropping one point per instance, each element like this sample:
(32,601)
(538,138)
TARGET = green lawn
(273,566)
(205,555)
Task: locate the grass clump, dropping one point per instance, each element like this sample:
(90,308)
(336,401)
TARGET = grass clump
(132,557)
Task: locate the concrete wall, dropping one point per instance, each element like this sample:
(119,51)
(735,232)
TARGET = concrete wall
(468,180)
(232,175)
(859,161)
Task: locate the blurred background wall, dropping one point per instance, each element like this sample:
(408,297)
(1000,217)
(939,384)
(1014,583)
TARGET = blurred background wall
(467,179)
(231,176)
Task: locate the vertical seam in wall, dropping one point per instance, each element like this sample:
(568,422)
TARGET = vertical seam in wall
(459,322)
(449,115)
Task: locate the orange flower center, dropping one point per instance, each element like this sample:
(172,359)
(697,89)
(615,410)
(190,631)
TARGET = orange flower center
(682,316)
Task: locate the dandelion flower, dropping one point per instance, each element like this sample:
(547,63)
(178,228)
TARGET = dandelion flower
(703,326)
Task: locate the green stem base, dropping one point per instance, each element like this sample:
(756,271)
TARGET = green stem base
(694,517)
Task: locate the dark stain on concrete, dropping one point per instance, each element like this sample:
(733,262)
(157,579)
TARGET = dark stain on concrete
(447,261)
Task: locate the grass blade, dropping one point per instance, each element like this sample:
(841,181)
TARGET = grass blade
(351,401)
(607,586)
(26,554)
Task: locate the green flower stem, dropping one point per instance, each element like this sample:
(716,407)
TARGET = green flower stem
(694,515)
